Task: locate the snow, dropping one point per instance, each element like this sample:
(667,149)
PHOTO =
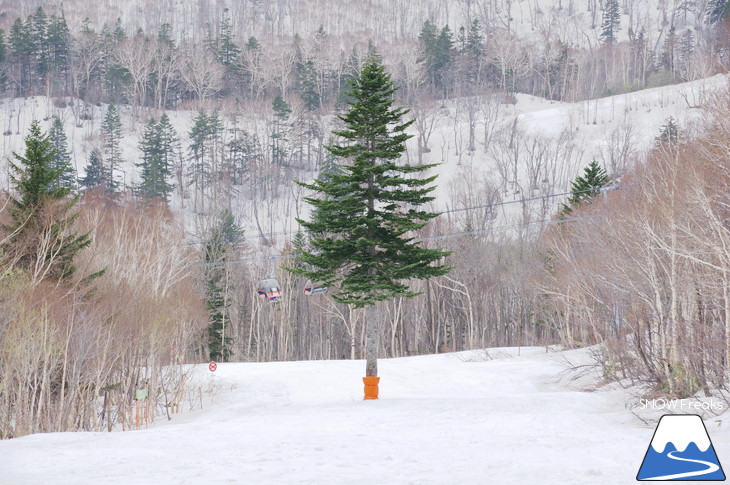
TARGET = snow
(588,127)
(680,430)
(588,130)
(502,416)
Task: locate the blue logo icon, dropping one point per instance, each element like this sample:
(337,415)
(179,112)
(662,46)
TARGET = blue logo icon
(681,450)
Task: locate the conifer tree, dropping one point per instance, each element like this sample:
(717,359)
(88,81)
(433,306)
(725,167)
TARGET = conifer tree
(154,173)
(204,138)
(307,85)
(243,150)
(444,58)
(118,34)
(363,219)
(96,172)
(111,134)
(61,158)
(252,44)
(59,40)
(586,186)
(280,131)
(428,36)
(21,50)
(169,144)
(39,38)
(438,53)
(225,239)
(227,50)
(611,23)
(475,39)
(471,52)
(352,69)
(686,50)
(198,135)
(40,235)
(668,132)
(329,167)
(164,35)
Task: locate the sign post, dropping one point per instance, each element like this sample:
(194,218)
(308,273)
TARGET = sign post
(141,394)
(212,366)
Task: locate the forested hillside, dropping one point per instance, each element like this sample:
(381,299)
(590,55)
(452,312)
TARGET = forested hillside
(175,134)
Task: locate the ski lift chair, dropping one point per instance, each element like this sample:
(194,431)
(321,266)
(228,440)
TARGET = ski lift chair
(312,289)
(269,289)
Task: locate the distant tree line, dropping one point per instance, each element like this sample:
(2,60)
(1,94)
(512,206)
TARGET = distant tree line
(40,55)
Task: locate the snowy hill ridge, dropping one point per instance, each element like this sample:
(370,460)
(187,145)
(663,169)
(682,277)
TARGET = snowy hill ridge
(592,128)
(680,430)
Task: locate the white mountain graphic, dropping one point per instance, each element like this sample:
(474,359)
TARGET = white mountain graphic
(680,430)
(681,450)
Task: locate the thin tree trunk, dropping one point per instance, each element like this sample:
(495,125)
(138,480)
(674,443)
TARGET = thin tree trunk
(372,342)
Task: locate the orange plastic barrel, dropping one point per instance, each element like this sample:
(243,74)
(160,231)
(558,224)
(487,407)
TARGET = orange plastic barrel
(371,387)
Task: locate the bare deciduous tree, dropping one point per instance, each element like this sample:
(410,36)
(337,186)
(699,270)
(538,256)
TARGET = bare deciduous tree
(202,73)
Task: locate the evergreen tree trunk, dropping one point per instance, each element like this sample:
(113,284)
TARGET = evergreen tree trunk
(372,342)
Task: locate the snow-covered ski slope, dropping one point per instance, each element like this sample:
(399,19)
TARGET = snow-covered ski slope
(442,419)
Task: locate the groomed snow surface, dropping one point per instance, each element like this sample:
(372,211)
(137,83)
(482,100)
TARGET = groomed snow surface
(479,417)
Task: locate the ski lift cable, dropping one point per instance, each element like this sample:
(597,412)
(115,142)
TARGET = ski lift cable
(544,222)
(451,211)
(546,196)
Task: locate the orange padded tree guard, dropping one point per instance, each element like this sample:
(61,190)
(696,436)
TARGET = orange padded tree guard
(371,387)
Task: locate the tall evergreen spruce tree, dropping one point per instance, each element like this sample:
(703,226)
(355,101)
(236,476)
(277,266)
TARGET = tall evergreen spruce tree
(586,186)
(154,169)
(307,85)
(59,40)
(38,28)
(363,216)
(198,170)
(21,54)
(40,237)
(227,51)
(437,54)
(611,23)
(474,52)
(280,131)
(61,157)
(225,238)
(170,150)
(111,133)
